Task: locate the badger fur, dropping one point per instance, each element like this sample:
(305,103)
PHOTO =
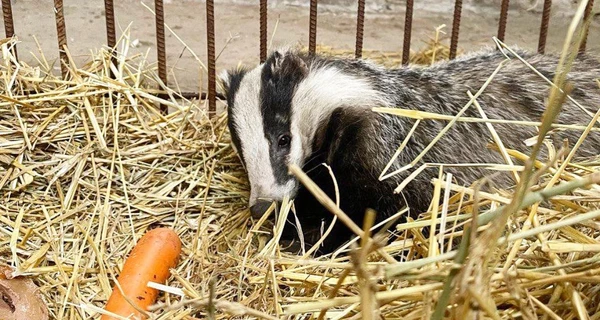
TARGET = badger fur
(309,109)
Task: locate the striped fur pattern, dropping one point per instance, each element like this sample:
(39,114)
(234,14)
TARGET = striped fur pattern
(309,110)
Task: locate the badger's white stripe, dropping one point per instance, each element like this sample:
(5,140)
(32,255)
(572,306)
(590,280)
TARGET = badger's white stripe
(249,126)
(255,147)
(325,89)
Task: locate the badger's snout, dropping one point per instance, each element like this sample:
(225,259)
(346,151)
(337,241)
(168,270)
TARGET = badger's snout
(259,208)
(262,197)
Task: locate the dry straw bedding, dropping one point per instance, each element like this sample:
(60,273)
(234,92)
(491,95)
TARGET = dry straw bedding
(88,164)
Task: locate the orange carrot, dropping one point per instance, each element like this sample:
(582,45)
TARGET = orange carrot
(150,260)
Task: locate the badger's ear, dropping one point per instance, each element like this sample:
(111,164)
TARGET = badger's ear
(229,81)
(286,63)
(278,56)
(277,60)
(224,82)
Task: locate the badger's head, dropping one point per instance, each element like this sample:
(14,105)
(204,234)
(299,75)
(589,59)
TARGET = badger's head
(264,131)
(277,115)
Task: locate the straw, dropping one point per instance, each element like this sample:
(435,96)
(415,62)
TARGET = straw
(88,164)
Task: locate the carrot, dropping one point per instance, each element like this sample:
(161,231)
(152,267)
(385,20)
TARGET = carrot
(150,260)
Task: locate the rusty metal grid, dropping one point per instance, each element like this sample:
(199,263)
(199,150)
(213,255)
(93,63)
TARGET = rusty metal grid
(61,35)
(263,30)
(312,27)
(211,95)
(586,16)
(9,26)
(407,31)
(360,27)
(455,28)
(210,47)
(544,26)
(503,20)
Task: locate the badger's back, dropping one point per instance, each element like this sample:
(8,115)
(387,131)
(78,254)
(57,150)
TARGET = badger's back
(515,93)
(358,142)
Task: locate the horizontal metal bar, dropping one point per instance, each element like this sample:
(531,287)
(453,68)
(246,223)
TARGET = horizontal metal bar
(191,95)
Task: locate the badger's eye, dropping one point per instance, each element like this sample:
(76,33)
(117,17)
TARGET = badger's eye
(284,141)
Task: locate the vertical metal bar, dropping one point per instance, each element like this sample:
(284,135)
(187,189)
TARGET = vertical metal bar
(61,32)
(455,28)
(312,31)
(210,36)
(586,15)
(544,27)
(407,31)
(9,26)
(360,25)
(111,35)
(161,52)
(263,30)
(503,19)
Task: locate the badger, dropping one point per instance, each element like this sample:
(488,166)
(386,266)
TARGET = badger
(310,110)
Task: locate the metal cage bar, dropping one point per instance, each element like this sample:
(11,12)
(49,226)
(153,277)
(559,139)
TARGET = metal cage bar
(161,51)
(210,46)
(586,15)
(263,30)
(455,29)
(61,32)
(503,20)
(111,34)
(211,95)
(312,28)
(9,26)
(360,25)
(544,26)
(407,31)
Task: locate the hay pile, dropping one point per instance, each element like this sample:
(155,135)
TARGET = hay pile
(88,164)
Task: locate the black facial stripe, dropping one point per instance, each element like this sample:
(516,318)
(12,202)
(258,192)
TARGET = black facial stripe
(279,78)
(235,78)
(235,138)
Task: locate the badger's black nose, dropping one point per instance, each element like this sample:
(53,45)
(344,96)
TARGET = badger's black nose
(259,208)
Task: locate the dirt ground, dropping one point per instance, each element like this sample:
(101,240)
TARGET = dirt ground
(237,30)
